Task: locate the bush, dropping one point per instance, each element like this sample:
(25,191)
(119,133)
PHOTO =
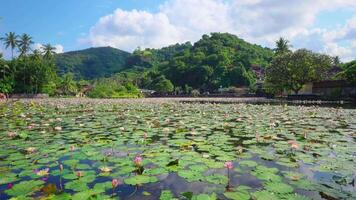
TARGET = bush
(195,93)
(112,89)
(164,86)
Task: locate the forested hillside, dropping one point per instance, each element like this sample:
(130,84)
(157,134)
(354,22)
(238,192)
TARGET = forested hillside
(92,63)
(216,60)
(219,60)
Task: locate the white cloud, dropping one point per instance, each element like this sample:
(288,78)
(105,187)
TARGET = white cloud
(37,46)
(347,34)
(258,21)
(59,48)
(335,50)
(127,30)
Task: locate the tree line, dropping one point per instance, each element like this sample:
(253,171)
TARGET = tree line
(222,60)
(34,71)
(216,61)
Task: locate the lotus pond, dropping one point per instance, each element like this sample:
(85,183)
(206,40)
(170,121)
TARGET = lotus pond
(172,150)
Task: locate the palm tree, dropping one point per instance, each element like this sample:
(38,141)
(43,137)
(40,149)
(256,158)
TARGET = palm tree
(282,46)
(48,50)
(24,44)
(36,53)
(67,84)
(10,40)
(336,61)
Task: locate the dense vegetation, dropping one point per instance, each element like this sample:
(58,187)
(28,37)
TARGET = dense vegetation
(291,70)
(215,61)
(92,63)
(29,73)
(114,87)
(35,71)
(219,60)
(349,72)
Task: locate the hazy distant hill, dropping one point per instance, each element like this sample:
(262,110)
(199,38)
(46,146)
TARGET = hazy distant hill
(92,63)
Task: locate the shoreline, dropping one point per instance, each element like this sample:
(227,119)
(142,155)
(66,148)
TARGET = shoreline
(213,100)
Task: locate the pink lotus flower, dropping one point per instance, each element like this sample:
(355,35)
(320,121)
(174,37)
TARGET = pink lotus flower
(115,183)
(79,174)
(11,134)
(228,165)
(72,148)
(10,185)
(29,127)
(293,144)
(138,160)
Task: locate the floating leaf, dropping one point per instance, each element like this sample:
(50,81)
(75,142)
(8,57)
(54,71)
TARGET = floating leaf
(140,179)
(278,187)
(24,188)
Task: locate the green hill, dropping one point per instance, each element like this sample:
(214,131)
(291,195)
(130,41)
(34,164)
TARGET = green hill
(216,60)
(92,63)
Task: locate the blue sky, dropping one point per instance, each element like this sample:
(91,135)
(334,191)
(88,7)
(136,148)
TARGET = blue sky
(323,26)
(61,22)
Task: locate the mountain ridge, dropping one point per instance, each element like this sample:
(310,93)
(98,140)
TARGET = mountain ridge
(97,62)
(94,62)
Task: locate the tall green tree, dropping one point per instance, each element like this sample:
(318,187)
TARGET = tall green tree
(6,77)
(282,46)
(48,50)
(349,72)
(336,61)
(291,71)
(24,44)
(10,41)
(67,84)
(36,54)
(163,85)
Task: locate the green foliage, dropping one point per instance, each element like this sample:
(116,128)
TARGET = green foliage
(140,179)
(28,73)
(24,188)
(6,77)
(214,61)
(114,88)
(92,63)
(32,74)
(166,195)
(67,85)
(282,46)
(48,51)
(24,44)
(193,144)
(349,72)
(292,70)
(163,85)
(10,40)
